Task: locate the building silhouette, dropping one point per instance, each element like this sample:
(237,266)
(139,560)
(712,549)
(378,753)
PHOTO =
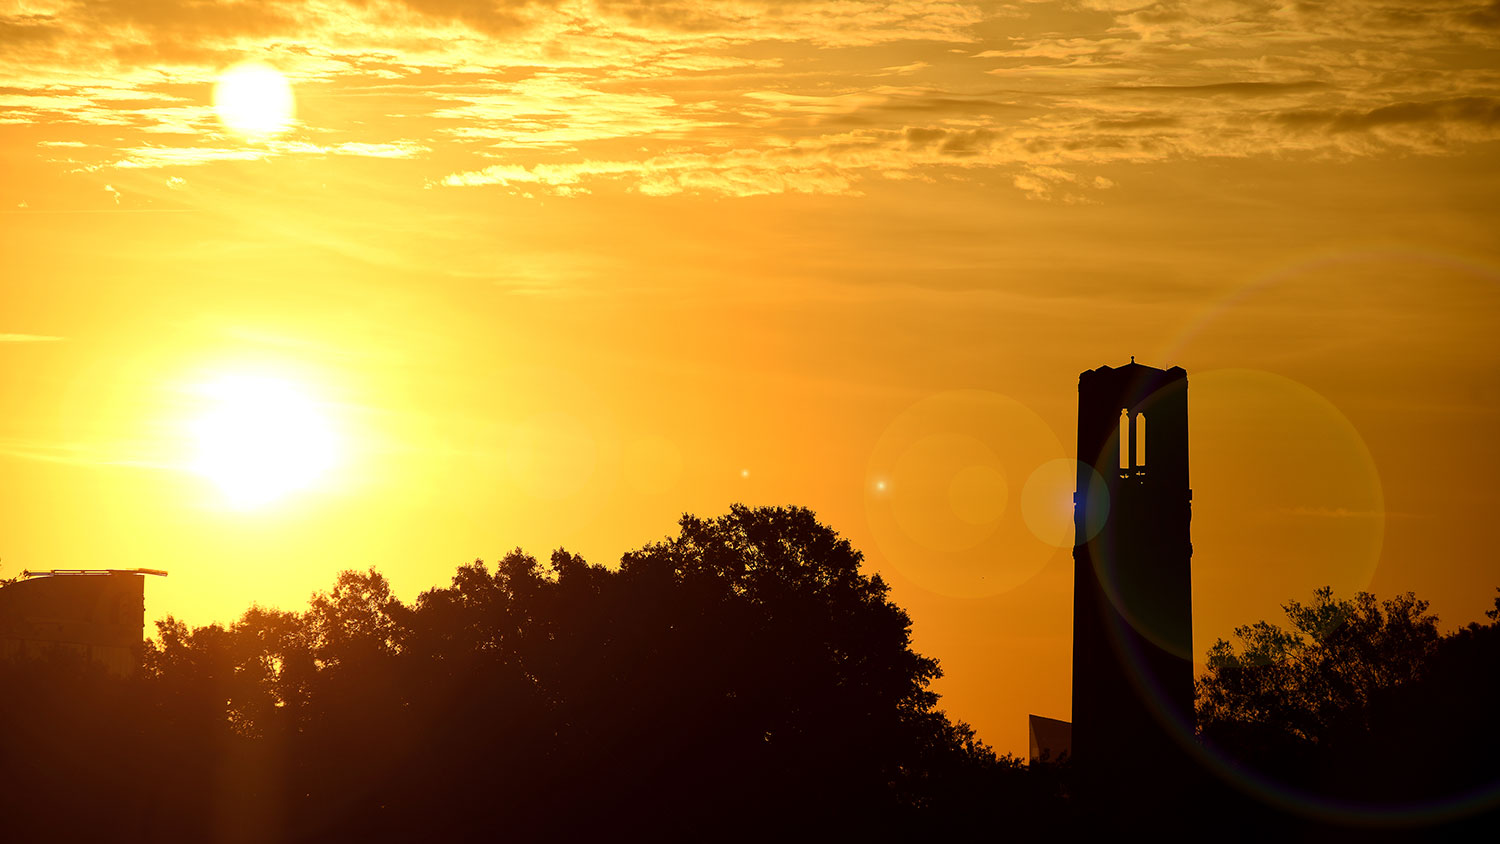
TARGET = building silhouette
(99,615)
(1051,740)
(1132,592)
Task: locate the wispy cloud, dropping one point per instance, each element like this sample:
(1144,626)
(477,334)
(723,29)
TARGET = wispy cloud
(130,455)
(29,338)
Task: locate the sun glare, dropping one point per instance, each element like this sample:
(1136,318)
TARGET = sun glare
(254,100)
(261,438)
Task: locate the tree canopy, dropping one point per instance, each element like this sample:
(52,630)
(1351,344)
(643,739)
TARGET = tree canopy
(740,677)
(1303,681)
(1362,705)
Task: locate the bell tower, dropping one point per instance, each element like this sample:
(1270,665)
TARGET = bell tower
(1132,589)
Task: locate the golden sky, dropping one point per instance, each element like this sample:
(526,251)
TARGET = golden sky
(553,273)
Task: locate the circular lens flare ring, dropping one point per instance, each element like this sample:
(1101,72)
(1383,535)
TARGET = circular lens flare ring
(942,488)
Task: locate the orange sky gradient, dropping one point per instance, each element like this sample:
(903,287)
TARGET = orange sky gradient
(554,273)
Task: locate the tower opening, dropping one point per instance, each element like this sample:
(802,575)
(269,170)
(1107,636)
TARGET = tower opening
(1125,444)
(1140,441)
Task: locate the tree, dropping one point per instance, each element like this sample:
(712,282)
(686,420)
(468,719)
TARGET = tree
(773,641)
(1364,709)
(742,678)
(357,621)
(1311,681)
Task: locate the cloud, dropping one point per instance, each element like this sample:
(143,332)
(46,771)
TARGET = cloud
(1432,127)
(1055,183)
(739,173)
(1231,89)
(825,23)
(169,156)
(555,110)
(397,149)
(1137,123)
(492,17)
(24,29)
(824,164)
(29,338)
(754,97)
(906,69)
(144,157)
(881,106)
(121,454)
(1480,112)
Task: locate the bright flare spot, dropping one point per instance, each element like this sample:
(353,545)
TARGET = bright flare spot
(261,439)
(253,99)
(1047,502)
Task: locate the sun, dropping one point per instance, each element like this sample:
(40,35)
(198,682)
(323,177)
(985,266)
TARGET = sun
(261,438)
(254,100)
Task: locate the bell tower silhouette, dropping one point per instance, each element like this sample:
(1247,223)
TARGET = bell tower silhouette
(1132,589)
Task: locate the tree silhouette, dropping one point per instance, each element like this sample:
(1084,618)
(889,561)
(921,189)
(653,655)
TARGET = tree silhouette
(1365,707)
(740,679)
(745,668)
(1306,681)
(797,665)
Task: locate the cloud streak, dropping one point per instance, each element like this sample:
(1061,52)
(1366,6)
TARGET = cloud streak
(29,338)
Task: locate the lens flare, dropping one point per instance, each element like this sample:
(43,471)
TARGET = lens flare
(939,492)
(261,438)
(1047,502)
(254,100)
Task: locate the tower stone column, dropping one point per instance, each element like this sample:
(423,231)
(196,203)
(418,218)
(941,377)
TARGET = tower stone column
(1132,592)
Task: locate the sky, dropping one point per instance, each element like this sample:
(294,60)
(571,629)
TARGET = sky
(551,274)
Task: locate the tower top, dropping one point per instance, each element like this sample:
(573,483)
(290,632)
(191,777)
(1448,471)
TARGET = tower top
(1137,370)
(1134,378)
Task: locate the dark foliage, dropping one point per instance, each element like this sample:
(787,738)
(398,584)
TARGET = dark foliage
(1310,682)
(742,679)
(1363,709)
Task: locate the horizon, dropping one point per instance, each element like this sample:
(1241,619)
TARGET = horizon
(299,288)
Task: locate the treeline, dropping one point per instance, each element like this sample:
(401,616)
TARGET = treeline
(742,679)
